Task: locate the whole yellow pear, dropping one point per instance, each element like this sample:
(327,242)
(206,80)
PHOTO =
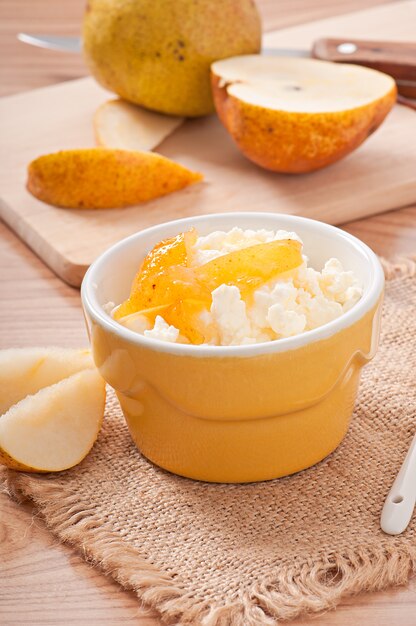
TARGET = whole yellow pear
(158,53)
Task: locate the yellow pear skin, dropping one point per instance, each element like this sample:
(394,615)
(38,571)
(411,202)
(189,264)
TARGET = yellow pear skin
(158,54)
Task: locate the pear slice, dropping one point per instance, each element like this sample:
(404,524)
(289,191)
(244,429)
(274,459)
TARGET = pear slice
(105,178)
(54,429)
(119,124)
(23,371)
(298,115)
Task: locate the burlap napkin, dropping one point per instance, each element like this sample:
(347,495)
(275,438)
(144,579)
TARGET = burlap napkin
(249,555)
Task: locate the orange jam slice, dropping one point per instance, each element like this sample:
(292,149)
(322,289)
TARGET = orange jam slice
(146,293)
(166,280)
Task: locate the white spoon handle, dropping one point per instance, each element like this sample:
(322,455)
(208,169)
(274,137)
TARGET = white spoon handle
(400,502)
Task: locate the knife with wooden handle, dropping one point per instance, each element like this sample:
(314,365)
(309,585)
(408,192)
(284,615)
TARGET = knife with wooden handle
(395,58)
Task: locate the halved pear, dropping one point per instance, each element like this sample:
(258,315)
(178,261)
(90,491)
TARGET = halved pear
(23,371)
(298,115)
(119,124)
(54,429)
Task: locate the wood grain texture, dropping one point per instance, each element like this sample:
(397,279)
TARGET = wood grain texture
(377,177)
(35,562)
(43,582)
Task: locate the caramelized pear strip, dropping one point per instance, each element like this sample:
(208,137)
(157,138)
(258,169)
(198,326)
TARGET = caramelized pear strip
(174,284)
(169,252)
(150,314)
(165,280)
(172,251)
(251,267)
(186,315)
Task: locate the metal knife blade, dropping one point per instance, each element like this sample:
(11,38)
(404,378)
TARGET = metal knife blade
(52,42)
(74,44)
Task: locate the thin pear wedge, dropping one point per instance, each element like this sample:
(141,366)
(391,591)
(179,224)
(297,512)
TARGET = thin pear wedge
(23,371)
(54,429)
(104,178)
(120,124)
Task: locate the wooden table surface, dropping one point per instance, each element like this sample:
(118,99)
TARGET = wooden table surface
(42,582)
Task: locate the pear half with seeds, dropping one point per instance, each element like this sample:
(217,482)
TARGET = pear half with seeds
(298,115)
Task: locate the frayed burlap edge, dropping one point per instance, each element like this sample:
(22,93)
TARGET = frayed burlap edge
(307,588)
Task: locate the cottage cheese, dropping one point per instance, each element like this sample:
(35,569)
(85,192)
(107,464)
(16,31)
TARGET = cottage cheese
(163,331)
(301,300)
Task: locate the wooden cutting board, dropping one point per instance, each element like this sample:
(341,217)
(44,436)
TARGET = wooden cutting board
(379,176)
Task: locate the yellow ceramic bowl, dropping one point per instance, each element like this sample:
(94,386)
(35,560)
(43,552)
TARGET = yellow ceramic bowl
(239,413)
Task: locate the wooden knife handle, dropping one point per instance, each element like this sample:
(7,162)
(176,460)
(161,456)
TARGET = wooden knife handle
(395,58)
